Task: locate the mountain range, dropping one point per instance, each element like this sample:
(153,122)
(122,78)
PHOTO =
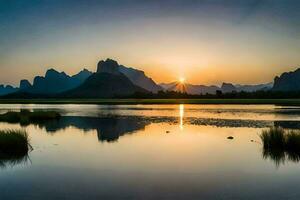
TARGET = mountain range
(56,82)
(212,89)
(8,89)
(114,80)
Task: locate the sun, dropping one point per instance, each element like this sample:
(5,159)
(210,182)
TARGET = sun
(181,80)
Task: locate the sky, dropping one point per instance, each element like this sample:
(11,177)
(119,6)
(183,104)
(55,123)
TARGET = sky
(204,41)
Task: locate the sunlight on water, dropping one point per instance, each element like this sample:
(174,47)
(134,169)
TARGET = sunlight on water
(181,114)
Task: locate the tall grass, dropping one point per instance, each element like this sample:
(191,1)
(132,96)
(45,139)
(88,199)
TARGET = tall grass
(14,142)
(280,145)
(14,147)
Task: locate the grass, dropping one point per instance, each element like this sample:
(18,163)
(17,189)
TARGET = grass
(14,147)
(280,145)
(14,142)
(152,101)
(26,117)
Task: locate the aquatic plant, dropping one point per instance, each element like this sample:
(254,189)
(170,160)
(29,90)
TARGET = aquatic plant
(14,142)
(280,145)
(14,147)
(26,117)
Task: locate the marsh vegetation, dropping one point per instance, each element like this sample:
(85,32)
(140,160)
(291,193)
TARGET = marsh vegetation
(26,117)
(14,147)
(280,145)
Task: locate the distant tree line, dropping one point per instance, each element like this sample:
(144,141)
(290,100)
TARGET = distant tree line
(219,95)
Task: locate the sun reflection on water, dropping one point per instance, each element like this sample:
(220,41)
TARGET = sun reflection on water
(181,114)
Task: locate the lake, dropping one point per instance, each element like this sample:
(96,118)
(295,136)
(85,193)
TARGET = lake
(152,152)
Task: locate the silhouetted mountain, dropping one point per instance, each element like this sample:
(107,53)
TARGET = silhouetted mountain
(227,88)
(108,82)
(56,82)
(253,88)
(24,84)
(108,66)
(139,78)
(203,89)
(19,94)
(8,89)
(82,76)
(288,81)
(189,88)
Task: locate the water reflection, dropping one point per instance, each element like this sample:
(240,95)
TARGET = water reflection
(181,115)
(280,145)
(279,156)
(109,129)
(287,124)
(245,112)
(11,161)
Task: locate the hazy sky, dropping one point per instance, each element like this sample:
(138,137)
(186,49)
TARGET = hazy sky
(205,41)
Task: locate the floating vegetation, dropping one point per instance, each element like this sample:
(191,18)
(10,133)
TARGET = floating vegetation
(280,145)
(26,117)
(14,147)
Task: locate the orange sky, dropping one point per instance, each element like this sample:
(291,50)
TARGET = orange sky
(207,43)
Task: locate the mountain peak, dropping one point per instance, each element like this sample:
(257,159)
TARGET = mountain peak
(52,72)
(108,66)
(228,87)
(24,84)
(83,74)
(85,70)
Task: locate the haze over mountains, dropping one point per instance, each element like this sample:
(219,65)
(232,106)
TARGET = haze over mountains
(114,80)
(212,89)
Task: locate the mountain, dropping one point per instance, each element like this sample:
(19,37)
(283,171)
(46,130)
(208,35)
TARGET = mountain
(82,76)
(8,89)
(56,82)
(253,88)
(108,66)
(189,88)
(24,85)
(107,82)
(227,88)
(203,89)
(288,81)
(137,77)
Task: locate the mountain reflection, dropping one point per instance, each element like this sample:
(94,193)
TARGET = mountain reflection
(287,124)
(109,129)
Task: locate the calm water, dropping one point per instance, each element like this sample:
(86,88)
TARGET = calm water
(152,152)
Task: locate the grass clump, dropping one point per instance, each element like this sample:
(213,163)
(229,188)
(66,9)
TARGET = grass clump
(14,147)
(280,145)
(27,117)
(14,142)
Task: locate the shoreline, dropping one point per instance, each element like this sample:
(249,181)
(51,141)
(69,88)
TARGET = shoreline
(291,102)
